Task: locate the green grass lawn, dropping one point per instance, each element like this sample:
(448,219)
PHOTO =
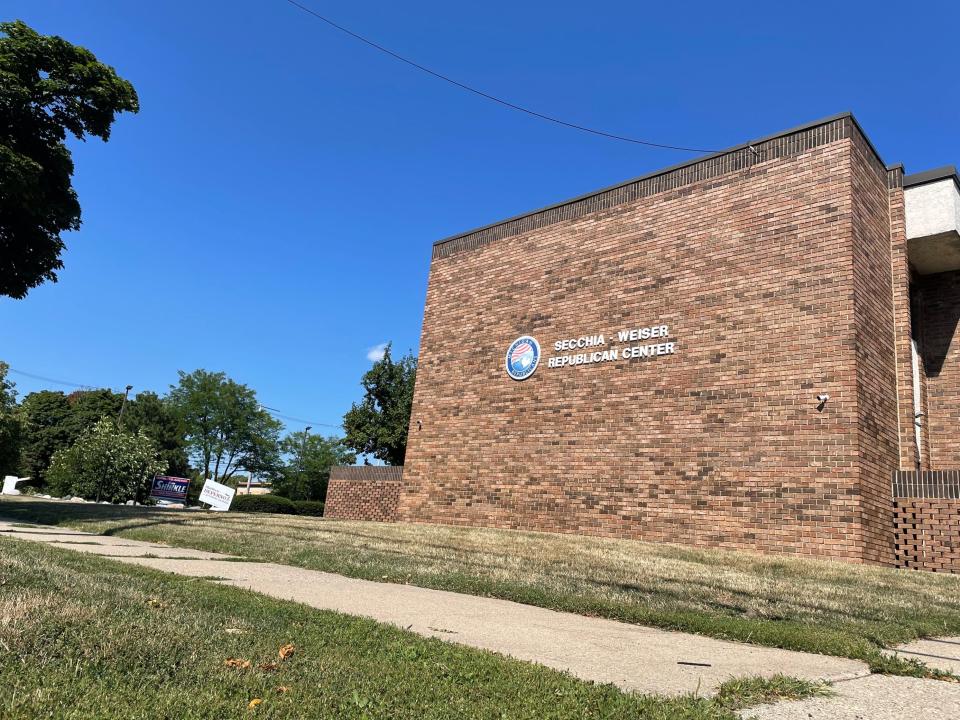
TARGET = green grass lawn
(88,637)
(817,606)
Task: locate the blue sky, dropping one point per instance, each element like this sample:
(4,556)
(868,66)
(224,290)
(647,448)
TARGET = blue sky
(271,209)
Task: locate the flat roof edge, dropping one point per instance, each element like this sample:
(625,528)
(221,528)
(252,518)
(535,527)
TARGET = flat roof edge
(672,168)
(946,172)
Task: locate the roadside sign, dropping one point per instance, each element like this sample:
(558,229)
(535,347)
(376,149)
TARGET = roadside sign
(217,496)
(172,489)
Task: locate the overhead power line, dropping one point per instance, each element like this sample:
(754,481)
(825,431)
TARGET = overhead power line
(49,380)
(488,96)
(79,386)
(314,423)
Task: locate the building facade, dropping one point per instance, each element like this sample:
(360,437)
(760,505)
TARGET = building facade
(736,352)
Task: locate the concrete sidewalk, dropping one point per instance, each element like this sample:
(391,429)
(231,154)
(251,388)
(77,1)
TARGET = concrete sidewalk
(878,697)
(942,653)
(632,657)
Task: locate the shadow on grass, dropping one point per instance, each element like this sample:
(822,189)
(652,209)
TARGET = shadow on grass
(51,512)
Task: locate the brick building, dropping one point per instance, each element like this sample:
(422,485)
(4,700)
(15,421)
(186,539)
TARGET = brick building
(734,352)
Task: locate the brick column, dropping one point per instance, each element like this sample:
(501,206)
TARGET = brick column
(902,321)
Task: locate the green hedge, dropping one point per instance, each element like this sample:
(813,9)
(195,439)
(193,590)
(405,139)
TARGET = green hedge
(262,504)
(308,507)
(276,504)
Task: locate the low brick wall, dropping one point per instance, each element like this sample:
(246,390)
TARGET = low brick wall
(926,513)
(364,492)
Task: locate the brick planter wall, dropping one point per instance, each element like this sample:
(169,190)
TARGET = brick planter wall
(927,524)
(364,492)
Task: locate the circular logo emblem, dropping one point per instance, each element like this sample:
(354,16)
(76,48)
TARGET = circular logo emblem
(523,356)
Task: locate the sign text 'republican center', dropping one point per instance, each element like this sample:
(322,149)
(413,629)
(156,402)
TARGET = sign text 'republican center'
(589,349)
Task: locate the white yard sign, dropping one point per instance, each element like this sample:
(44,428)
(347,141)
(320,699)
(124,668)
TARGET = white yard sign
(217,496)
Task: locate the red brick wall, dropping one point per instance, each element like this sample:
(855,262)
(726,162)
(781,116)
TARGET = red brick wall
(363,493)
(721,444)
(941,358)
(876,365)
(928,534)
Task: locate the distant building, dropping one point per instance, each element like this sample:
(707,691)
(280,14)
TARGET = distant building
(253,486)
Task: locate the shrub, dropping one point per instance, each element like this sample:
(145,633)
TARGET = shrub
(105,463)
(276,504)
(263,504)
(308,507)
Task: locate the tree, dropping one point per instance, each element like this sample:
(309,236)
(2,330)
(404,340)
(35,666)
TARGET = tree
(149,413)
(8,390)
(306,475)
(378,425)
(9,425)
(51,421)
(105,464)
(44,419)
(48,87)
(225,428)
(88,407)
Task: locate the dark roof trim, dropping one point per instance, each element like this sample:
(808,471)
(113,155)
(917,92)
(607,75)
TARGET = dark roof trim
(367,473)
(928,176)
(735,149)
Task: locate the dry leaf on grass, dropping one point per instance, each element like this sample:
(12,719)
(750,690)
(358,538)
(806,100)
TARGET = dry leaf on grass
(154,603)
(252,705)
(267,667)
(286,651)
(281,689)
(238,663)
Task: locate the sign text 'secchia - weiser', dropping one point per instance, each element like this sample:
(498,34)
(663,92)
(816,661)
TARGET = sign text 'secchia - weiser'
(589,349)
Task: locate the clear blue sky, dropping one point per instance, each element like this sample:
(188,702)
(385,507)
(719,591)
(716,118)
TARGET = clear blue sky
(271,209)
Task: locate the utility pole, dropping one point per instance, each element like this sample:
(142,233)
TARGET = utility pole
(303,449)
(250,472)
(124,404)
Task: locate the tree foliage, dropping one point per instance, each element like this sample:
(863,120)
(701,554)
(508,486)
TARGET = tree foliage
(307,473)
(52,421)
(105,463)
(88,407)
(225,428)
(49,421)
(48,88)
(9,425)
(207,417)
(8,390)
(378,425)
(153,415)
(44,422)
